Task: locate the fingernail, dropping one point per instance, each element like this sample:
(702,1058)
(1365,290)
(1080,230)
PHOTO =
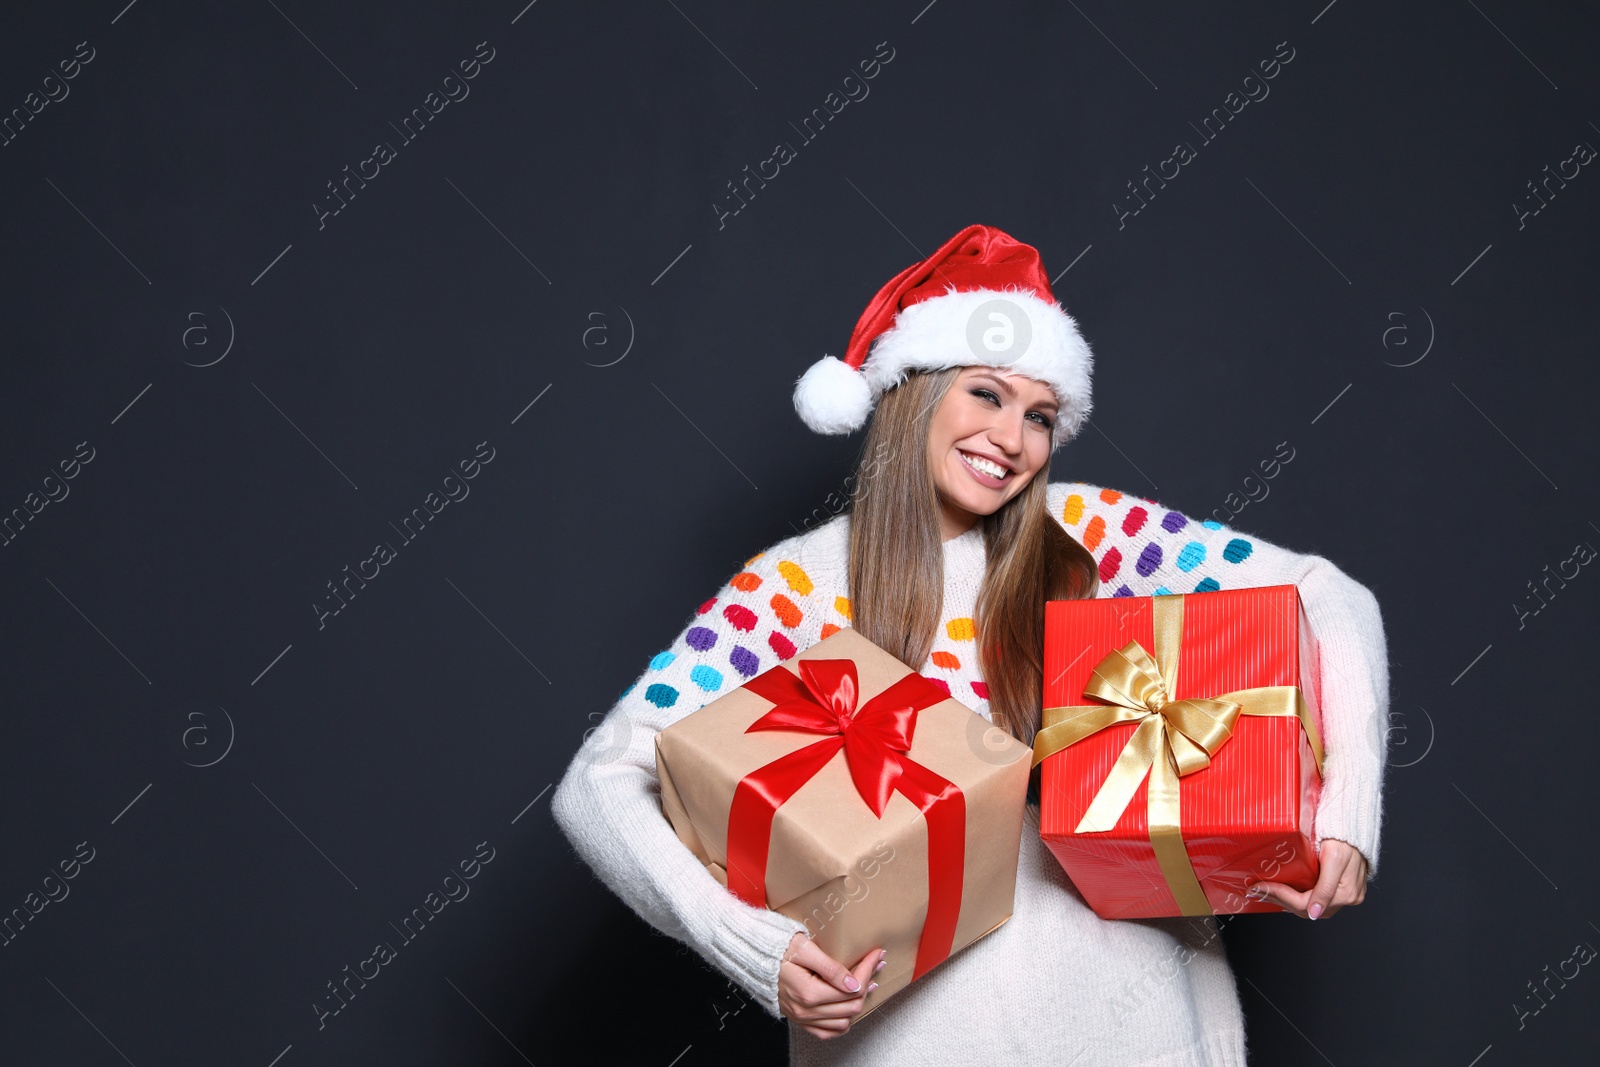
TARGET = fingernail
(871,987)
(851,984)
(1314,910)
(881,965)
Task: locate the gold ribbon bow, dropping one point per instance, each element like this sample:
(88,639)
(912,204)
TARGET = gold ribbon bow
(1173,738)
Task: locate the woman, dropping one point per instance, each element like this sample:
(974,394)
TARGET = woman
(953,542)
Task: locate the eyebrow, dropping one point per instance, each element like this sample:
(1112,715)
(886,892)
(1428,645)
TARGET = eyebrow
(1010,390)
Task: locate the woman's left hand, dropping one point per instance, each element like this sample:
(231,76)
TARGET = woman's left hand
(1342,880)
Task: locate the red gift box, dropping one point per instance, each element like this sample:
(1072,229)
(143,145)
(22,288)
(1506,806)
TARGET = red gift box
(1180,753)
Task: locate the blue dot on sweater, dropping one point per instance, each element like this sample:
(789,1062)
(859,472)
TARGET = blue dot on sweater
(628,690)
(1212,524)
(1207,585)
(744,661)
(1148,560)
(700,639)
(662,660)
(662,696)
(1192,555)
(1173,521)
(1162,590)
(1237,550)
(707,678)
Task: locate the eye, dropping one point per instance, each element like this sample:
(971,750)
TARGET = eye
(1041,418)
(987,395)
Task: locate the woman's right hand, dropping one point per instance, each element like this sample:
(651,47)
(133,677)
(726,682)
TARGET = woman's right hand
(819,992)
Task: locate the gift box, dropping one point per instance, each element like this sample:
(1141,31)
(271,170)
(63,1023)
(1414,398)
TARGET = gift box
(848,792)
(1180,754)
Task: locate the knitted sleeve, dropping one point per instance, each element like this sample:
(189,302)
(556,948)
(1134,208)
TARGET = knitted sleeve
(609,800)
(1145,549)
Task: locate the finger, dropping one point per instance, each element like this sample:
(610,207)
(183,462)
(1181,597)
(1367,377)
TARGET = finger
(836,1011)
(1334,861)
(812,992)
(818,992)
(1290,900)
(828,969)
(826,1030)
(866,967)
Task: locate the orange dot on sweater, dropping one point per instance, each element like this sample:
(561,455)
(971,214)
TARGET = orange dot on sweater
(828,630)
(1072,511)
(1110,496)
(961,629)
(842,605)
(1093,532)
(753,558)
(785,610)
(746,581)
(947,661)
(799,581)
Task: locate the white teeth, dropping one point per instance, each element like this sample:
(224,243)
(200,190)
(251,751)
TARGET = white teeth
(984,466)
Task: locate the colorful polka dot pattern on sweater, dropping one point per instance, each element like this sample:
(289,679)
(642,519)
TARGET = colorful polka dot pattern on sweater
(1128,545)
(775,607)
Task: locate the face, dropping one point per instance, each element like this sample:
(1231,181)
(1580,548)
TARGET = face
(989,436)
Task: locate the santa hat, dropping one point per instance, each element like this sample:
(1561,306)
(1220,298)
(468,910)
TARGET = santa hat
(982,298)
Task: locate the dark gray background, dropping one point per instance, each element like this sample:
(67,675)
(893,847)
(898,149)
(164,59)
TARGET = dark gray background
(1269,293)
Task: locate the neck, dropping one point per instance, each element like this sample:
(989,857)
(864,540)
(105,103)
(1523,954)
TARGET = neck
(953,522)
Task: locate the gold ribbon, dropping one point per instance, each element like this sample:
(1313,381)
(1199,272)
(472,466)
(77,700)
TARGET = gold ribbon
(1173,738)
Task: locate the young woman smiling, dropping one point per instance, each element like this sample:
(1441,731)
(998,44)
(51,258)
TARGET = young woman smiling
(973,375)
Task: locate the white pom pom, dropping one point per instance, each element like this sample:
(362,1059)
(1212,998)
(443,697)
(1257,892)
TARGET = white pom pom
(832,397)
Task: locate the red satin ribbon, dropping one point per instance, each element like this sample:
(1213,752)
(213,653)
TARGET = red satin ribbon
(822,700)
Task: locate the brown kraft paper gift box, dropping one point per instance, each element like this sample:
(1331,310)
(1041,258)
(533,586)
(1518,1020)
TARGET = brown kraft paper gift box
(858,881)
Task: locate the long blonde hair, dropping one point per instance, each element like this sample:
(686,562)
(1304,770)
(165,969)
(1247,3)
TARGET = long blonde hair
(897,559)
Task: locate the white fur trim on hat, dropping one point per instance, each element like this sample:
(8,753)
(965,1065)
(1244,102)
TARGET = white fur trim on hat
(833,397)
(1021,333)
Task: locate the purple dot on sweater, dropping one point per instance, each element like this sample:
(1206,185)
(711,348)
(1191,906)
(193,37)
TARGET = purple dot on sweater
(1123,590)
(744,661)
(1148,560)
(700,639)
(1172,522)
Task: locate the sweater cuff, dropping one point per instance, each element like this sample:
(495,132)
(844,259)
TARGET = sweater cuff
(748,944)
(1352,815)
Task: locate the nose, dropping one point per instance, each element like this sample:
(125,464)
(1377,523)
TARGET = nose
(1006,432)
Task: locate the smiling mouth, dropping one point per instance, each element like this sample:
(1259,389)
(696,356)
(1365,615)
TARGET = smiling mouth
(987,471)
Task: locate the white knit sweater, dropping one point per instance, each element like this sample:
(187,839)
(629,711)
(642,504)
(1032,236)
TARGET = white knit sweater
(1056,984)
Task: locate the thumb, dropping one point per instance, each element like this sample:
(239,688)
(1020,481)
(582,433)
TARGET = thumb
(1289,899)
(827,968)
(1333,863)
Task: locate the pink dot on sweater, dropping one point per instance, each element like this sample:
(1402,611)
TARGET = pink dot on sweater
(740,616)
(1110,563)
(707,606)
(1134,520)
(981,689)
(781,645)
(941,683)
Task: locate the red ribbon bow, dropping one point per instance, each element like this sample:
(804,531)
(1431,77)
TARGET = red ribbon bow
(875,738)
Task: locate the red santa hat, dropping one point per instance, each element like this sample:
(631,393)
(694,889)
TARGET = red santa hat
(982,298)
